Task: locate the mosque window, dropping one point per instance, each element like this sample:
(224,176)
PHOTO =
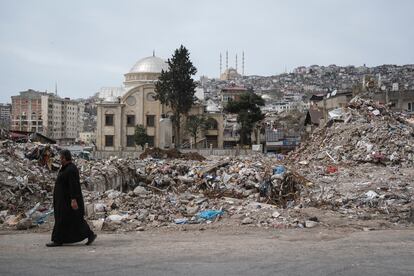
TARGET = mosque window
(150,120)
(109,140)
(109,119)
(130,120)
(131,100)
(130,141)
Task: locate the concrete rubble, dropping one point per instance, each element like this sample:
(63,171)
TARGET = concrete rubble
(357,167)
(361,165)
(366,133)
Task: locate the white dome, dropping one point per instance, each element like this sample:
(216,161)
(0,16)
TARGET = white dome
(150,64)
(111,99)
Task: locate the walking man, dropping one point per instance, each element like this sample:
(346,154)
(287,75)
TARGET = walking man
(68,205)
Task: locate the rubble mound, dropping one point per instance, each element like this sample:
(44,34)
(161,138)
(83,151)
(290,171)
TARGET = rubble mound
(170,154)
(365,132)
(22,181)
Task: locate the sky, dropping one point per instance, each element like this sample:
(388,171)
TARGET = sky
(84,45)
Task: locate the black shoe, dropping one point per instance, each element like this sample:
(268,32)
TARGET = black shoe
(91,239)
(53,244)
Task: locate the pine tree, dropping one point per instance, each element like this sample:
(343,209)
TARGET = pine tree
(176,88)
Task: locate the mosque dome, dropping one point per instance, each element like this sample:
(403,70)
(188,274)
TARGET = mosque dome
(150,64)
(111,99)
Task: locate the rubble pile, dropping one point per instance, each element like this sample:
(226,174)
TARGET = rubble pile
(367,132)
(168,192)
(170,154)
(108,174)
(358,167)
(22,181)
(360,164)
(132,194)
(173,192)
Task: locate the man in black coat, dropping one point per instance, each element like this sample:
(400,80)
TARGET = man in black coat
(68,205)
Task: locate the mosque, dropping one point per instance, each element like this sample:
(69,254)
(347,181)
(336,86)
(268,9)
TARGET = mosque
(122,108)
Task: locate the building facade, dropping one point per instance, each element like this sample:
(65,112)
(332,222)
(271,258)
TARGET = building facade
(87,137)
(27,111)
(231,93)
(57,118)
(5,113)
(119,113)
(134,104)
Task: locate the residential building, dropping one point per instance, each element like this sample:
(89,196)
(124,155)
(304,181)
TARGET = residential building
(401,100)
(57,118)
(231,93)
(27,111)
(87,137)
(5,113)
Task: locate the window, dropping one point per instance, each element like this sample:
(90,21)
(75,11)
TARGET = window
(227,98)
(212,124)
(109,140)
(109,119)
(150,120)
(130,121)
(130,142)
(411,106)
(131,100)
(150,141)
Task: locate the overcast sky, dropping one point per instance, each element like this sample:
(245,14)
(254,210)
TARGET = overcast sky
(84,45)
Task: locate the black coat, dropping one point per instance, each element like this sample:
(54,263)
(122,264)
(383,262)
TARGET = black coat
(70,226)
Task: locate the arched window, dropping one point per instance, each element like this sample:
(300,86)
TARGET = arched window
(212,123)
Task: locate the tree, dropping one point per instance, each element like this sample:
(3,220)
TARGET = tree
(140,136)
(194,124)
(176,88)
(248,114)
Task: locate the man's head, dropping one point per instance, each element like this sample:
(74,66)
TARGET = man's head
(65,157)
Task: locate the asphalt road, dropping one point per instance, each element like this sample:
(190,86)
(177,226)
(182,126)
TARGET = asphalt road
(215,252)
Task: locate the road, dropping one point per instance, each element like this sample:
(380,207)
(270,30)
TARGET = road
(248,251)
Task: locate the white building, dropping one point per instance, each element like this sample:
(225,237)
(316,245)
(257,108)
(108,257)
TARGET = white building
(5,112)
(87,137)
(62,118)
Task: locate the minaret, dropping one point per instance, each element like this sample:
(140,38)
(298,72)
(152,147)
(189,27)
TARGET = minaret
(227,60)
(236,62)
(153,53)
(243,63)
(220,65)
(56,88)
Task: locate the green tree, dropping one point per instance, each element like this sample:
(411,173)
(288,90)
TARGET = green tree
(248,114)
(194,124)
(176,87)
(140,136)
